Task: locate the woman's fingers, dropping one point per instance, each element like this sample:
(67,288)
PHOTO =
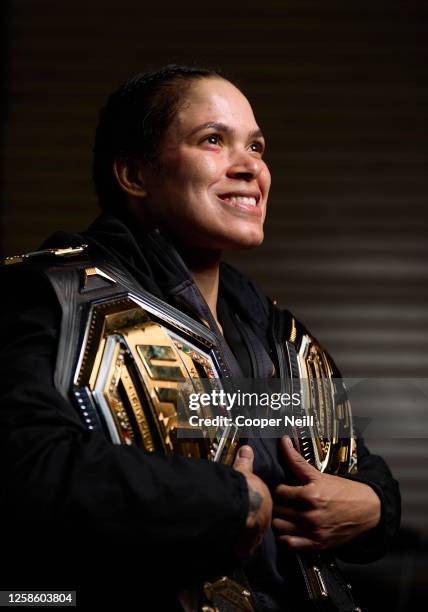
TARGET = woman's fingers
(285,527)
(297,542)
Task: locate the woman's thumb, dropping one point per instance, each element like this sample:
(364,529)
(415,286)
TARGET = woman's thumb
(244,459)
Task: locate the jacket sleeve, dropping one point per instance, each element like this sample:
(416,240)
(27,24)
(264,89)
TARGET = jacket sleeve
(374,472)
(56,473)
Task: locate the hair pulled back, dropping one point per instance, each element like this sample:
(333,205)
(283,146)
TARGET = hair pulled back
(132,123)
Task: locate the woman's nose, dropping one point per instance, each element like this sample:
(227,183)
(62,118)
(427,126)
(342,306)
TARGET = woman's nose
(244,166)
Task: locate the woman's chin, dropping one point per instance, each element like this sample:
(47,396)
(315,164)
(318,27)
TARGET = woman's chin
(231,240)
(246,240)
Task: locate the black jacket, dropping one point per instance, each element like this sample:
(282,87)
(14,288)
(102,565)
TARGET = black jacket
(80,513)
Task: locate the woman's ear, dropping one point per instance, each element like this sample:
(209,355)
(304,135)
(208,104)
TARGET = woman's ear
(130,176)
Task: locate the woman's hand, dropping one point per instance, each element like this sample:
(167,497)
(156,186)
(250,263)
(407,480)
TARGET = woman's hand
(260,504)
(324,511)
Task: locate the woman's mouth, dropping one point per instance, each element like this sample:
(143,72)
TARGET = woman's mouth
(245,203)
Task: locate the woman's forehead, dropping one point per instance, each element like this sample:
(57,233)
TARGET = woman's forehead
(215,100)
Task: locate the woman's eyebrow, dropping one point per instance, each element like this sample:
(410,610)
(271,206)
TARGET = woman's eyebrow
(222,127)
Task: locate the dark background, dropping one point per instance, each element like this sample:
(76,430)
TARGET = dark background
(341,91)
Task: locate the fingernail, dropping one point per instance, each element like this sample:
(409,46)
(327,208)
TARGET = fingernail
(244,452)
(288,442)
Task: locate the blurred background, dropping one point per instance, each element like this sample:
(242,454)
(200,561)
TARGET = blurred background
(341,91)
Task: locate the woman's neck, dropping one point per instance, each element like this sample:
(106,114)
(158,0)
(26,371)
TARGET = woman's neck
(204,267)
(203,264)
(207,282)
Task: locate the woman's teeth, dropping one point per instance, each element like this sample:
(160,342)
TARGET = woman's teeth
(248,201)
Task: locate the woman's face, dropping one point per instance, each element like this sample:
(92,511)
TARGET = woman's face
(211,185)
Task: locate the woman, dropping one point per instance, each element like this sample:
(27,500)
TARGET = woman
(180,176)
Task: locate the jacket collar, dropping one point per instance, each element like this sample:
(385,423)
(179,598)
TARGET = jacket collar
(157,266)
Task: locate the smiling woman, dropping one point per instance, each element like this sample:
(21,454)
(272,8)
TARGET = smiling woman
(208,186)
(98,331)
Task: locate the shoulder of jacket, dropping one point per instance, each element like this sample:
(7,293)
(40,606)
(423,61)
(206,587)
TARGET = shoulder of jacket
(47,256)
(295,332)
(64,254)
(59,247)
(291,328)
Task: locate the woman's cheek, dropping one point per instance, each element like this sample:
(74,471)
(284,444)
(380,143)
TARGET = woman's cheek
(205,166)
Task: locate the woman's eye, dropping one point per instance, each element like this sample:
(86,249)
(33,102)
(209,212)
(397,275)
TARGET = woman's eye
(213,139)
(257,147)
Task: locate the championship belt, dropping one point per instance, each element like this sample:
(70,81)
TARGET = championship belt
(329,444)
(134,359)
(135,356)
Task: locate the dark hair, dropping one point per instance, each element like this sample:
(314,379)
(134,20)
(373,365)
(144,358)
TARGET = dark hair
(132,123)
